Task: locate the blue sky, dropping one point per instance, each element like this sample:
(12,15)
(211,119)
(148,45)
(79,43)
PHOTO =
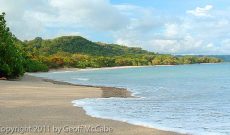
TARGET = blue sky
(164,26)
(174,6)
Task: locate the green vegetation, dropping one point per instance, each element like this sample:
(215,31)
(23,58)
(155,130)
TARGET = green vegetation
(77,44)
(35,66)
(75,51)
(11,58)
(78,52)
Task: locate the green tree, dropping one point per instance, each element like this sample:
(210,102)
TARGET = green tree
(35,66)
(189,59)
(124,61)
(11,58)
(158,60)
(169,60)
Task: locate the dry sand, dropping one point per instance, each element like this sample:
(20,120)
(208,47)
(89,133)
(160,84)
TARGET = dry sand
(32,103)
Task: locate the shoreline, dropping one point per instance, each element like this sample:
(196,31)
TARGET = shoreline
(107,92)
(93,69)
(67,69)
(35,101)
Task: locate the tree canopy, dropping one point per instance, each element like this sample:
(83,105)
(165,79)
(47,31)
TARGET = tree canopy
(78,44)
(11,58)
(76,51)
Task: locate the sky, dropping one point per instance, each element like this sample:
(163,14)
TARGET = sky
(163,26)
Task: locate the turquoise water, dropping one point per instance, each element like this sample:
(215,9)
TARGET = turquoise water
(188,98)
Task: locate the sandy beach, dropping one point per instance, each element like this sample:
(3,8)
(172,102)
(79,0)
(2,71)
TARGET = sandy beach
(103,68)
(34,106)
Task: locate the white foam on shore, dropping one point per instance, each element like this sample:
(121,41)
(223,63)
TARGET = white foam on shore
(91,112)
(80,79)
(110,68)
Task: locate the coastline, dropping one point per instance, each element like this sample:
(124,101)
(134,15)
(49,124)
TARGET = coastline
(67,69)
(116,67)
(93,69)
(107,92)
(102,68)
(35,101)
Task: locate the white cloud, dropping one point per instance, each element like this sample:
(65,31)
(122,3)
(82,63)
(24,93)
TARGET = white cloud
(199,11)
(29,19)
(185,45)
(20,20)
(207,32)
(142,26)
(185,34)
(97,14)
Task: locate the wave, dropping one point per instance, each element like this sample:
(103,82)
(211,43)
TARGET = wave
(91,112)
(80,79)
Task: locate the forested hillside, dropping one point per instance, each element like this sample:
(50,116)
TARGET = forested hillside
(78,44)
(76,51)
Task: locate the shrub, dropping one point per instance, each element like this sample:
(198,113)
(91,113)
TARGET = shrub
(35,66)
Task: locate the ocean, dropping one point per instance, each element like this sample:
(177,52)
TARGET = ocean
(192,99)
